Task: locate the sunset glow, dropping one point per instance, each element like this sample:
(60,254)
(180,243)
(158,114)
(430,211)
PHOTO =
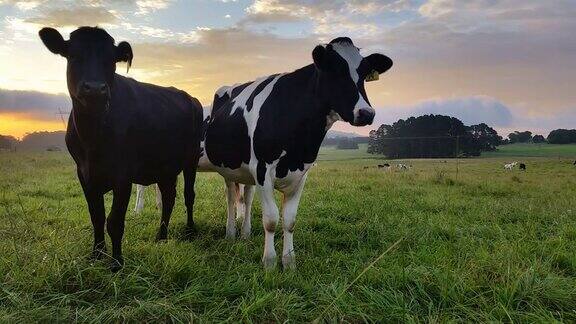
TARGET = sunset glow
(507,62)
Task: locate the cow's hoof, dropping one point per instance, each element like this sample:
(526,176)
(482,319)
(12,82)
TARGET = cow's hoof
(189,233)
(245,235)
(289,261)
(98,252)
(269,263)
(231,235)
(117,264)
(162,236)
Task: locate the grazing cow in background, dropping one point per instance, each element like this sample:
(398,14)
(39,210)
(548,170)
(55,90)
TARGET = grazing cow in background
(402,166)
(522,166)
(267,134)
(574,162)
(122,131)
(385,165)
(510,166)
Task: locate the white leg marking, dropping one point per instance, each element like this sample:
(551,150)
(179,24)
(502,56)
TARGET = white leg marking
(231,199)
(158,198)
(247,221)
(269,221)
(139,198)
(240,201)
(289,211)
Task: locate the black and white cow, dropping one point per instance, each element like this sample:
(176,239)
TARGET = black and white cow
(266,134)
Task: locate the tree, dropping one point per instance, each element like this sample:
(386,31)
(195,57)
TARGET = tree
(428,136)
(538,139)
(7,142)
(562,136)
(347,144)
(486,136)
(520,137)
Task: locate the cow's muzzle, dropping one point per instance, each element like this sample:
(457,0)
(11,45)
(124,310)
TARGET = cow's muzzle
(364,116)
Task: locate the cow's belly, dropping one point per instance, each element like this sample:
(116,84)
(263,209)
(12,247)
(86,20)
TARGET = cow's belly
(239,175)
(291,180)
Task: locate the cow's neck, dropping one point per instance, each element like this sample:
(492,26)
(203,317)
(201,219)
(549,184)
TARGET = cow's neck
(315,113)
(89,127)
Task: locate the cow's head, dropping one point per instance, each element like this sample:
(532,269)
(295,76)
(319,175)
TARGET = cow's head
(342,72)
(92,58)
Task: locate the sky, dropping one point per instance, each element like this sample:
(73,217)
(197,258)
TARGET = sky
(509,63)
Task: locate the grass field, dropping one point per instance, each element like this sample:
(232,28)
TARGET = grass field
(533,150)
(481,245)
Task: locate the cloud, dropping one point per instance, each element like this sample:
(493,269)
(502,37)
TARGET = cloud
(328,17)
(33,103)
(75,16)
(470,110)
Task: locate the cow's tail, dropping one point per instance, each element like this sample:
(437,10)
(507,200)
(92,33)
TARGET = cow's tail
(240,202)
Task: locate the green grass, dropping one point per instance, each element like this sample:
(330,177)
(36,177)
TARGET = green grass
(534,150)
(481,245)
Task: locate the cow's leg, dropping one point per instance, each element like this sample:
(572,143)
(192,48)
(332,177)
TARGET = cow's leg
(269,221)
(189,193)
(115,222)
(158,197)
(231,196)
(139,198)
(289,211)
(168,190)
(97,212)
(247,221)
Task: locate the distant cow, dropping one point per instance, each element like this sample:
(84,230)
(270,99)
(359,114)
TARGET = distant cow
(574,162)
(402,166)
(522,166)
(510,166)
(122,131)
(385,165)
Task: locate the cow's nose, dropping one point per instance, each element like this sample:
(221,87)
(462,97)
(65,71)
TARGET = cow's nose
(93,89)
(365,116)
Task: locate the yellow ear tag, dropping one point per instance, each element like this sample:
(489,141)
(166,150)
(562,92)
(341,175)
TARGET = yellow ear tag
(372,76)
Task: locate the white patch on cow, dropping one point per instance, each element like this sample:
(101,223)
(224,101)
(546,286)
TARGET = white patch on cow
(361,104)
(351,55)
(331,118)
(241,99)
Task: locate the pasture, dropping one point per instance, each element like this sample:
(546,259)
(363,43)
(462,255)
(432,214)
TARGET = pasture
(482,245)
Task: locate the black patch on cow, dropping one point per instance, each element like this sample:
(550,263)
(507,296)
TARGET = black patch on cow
(261,172)
(227,142)
(259,88)
(295,124)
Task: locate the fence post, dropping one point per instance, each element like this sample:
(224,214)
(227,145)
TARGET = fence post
(457,155)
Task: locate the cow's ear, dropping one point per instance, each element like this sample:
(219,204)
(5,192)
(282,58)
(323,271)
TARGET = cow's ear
(319,54)
(53,41)
(124,54)
(380,63)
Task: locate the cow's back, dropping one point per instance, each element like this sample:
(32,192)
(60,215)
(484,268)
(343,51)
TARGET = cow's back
(157,126)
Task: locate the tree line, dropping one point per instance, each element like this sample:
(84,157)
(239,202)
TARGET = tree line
(51,141)
(432,136)
(439,136)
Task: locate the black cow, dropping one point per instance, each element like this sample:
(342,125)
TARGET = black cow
(122,131)
(522,166)
(385,165)
(268,132)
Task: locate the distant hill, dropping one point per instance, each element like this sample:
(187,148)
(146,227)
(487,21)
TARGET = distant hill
(43,141)
(339,134)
